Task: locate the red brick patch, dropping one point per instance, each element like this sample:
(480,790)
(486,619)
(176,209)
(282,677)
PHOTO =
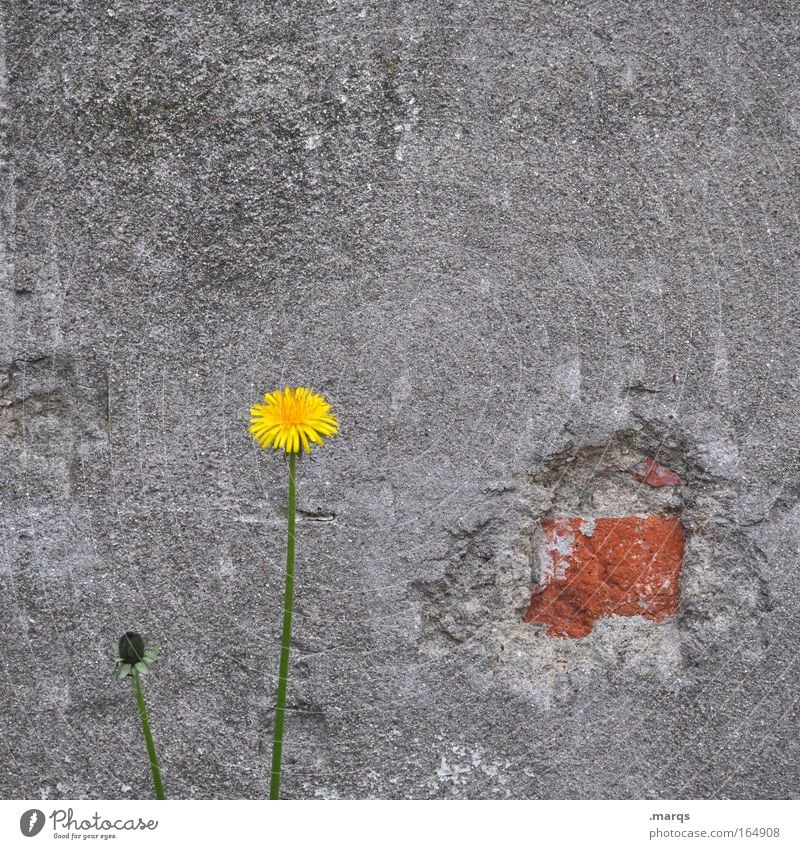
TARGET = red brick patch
(595,567)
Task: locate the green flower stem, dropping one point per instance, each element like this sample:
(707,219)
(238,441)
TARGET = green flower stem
(286,638)
(148,737)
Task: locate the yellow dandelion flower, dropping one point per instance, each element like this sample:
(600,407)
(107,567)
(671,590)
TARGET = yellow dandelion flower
(292,418)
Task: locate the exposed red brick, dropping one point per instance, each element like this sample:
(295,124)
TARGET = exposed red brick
(595,567)
(653,473)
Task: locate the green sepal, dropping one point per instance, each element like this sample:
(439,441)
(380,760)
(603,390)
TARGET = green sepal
(124,670)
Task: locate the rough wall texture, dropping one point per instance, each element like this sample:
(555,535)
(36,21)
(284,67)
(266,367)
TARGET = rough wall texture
(516,244)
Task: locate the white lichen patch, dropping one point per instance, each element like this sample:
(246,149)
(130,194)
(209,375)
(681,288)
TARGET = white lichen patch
(453,773)
(465,762)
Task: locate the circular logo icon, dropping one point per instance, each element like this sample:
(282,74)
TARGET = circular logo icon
(31,822)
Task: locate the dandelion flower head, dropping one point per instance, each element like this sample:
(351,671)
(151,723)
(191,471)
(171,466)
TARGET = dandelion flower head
(291,418)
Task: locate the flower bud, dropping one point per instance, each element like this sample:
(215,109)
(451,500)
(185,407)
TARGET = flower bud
(131,647)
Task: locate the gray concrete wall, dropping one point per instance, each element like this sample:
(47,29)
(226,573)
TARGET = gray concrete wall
(514,243)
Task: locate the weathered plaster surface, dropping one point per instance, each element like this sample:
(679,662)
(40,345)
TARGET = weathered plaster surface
(510,241)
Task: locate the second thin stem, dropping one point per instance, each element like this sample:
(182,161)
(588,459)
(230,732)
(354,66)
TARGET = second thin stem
(148,738)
